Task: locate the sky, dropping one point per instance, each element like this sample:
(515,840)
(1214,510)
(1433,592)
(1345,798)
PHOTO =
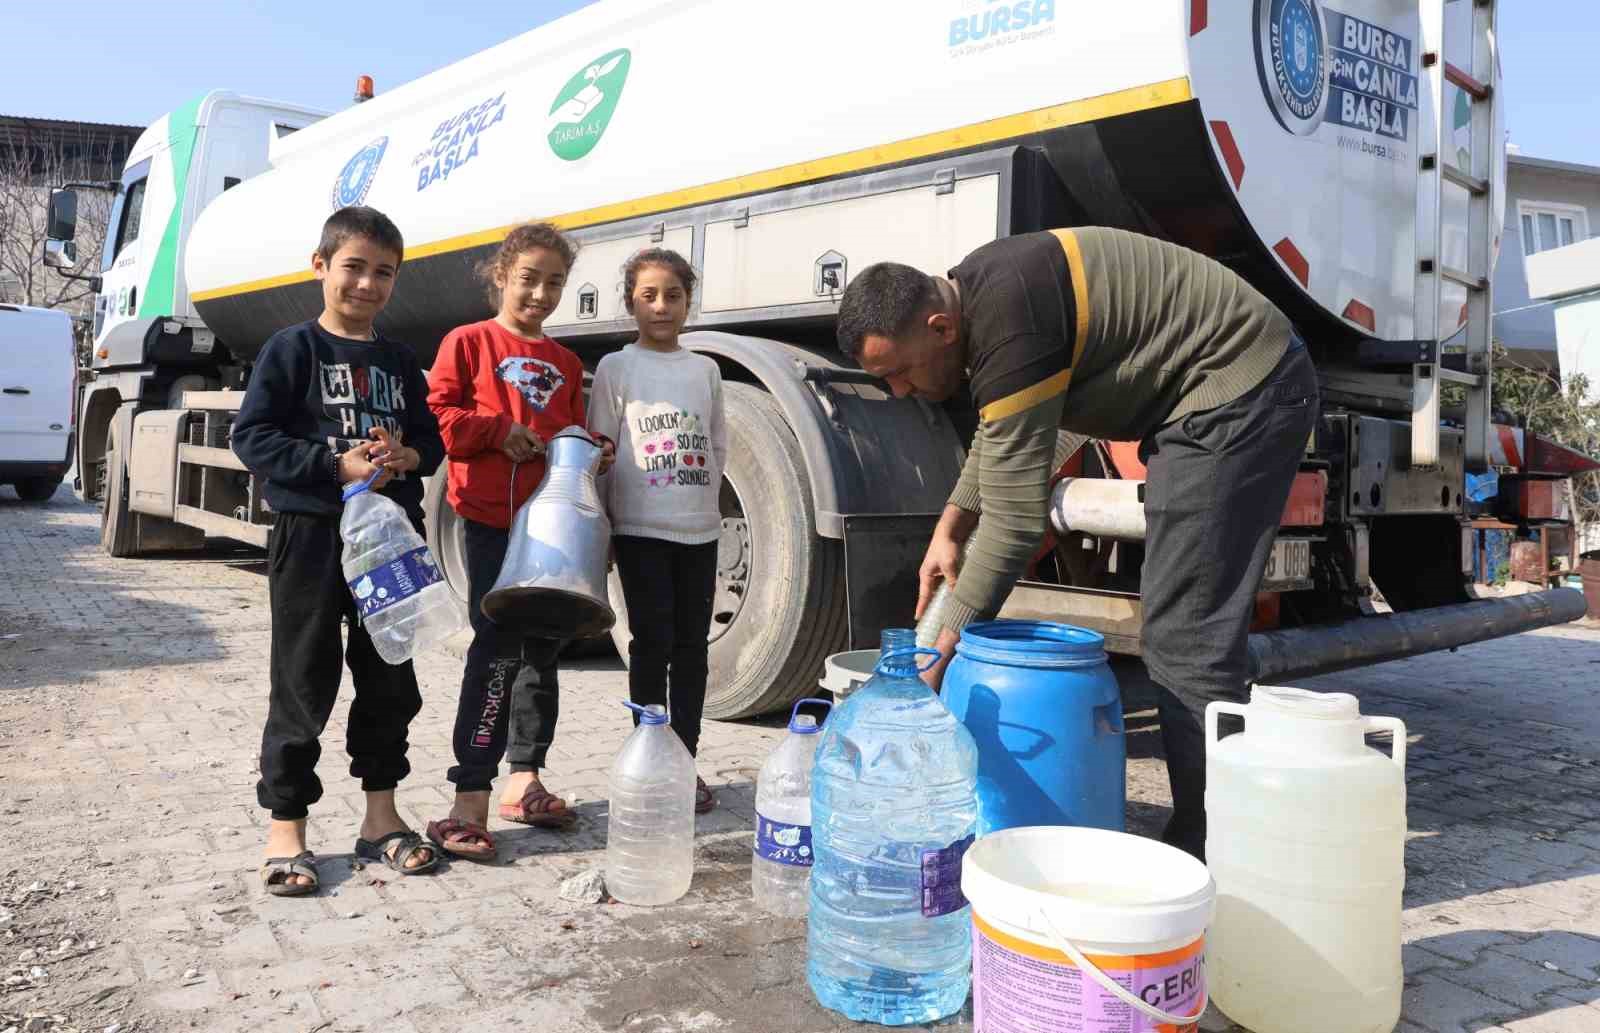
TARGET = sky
(119,62)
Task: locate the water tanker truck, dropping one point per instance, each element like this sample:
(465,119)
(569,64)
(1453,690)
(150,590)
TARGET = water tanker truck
(1345,156)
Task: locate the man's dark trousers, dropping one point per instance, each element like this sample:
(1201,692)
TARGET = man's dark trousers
(1216,487)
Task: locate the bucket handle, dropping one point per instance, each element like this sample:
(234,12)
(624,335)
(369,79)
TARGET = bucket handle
(1116,989)
(1216,708)
(1396,728)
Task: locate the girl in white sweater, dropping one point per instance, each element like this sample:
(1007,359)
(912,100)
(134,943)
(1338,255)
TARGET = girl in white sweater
(662,405)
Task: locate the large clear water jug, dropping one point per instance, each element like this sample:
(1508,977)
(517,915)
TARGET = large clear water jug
(894,807)
(401,596)
(1305,838)
(650,826)
(780,870)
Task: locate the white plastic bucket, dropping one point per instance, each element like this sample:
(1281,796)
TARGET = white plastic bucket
(844,673)
(1085,929)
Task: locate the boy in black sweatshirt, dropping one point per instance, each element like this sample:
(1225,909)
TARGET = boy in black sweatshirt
(331,402)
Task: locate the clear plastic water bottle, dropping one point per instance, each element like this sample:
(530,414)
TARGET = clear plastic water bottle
(780,871)
(650,829)
(894,806)
(400,592)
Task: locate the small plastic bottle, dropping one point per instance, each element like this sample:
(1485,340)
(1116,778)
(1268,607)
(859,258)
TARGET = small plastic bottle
(650,828)
(401,595)
(780,871)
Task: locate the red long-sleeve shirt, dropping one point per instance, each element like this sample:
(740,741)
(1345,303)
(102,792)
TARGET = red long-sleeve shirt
(484,379)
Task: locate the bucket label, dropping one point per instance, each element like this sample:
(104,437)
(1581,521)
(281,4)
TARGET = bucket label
(399,579)
(941,879)
(1024,987)
(783,843)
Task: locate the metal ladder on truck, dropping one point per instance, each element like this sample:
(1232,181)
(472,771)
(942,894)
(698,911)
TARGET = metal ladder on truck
(1440,172)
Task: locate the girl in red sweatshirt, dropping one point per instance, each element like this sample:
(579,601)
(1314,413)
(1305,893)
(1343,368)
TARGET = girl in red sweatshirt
(500,390)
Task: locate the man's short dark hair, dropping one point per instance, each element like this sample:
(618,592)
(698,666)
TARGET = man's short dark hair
(884,299)
(360,221)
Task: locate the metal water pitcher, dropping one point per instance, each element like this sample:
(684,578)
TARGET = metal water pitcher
(553,580)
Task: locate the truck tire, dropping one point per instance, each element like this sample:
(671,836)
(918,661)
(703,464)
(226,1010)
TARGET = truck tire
(118,535)
(780,607)
(37,489)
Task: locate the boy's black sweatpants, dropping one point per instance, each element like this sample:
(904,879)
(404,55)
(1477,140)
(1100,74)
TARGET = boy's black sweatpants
(668,587)
(310,600)
(510,690)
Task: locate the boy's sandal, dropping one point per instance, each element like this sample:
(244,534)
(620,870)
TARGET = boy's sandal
(461,838)
(277,871)
(540,808)
(407,843)
(704,801)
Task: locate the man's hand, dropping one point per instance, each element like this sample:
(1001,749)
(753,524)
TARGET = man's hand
(390,454)
(521,444)
(608,455)
(938,565)
(357,465)
(933,677)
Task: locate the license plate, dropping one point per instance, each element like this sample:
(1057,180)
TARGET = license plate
(1288,566)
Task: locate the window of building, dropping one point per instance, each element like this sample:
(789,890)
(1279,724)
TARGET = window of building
(1547,225)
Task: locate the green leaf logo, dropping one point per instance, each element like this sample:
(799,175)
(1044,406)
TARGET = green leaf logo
(583,108)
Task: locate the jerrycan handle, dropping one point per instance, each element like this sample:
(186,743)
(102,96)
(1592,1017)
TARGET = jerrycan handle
(1397,730)
(1212,711)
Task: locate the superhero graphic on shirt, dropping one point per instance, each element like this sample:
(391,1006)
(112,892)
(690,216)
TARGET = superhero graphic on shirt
(535,379)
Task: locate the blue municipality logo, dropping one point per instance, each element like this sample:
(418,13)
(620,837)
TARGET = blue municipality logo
(1292,60)
(356,178)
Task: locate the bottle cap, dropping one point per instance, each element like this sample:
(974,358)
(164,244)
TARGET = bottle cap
(654,714)
(805,724)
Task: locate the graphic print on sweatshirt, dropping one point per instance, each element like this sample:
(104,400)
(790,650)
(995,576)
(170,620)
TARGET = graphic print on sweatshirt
(673,448)
(361,397)
(535,379)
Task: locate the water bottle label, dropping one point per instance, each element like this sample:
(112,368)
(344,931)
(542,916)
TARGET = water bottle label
(941,879)
(784,843)
(400,579)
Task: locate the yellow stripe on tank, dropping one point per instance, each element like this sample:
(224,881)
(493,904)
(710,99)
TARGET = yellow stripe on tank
(1090,109)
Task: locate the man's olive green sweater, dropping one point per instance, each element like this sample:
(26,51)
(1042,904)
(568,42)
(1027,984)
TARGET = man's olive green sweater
(1097,331)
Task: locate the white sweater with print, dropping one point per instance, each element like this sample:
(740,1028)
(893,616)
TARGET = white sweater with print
(664,411)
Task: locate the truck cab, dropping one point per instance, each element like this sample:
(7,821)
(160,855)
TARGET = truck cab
(149,343)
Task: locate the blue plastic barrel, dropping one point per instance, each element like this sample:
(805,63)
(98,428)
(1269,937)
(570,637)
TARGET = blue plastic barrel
(1044,708)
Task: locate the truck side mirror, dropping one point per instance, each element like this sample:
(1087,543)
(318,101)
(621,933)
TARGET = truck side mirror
(62,222)
(61,254)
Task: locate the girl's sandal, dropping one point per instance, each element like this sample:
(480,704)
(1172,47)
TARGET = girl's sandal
(277,871)
(406,847)
(461,838)
(535,808)
(704,801)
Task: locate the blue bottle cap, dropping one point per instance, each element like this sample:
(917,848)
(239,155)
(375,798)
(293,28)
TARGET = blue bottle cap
(654,714)
(805,724)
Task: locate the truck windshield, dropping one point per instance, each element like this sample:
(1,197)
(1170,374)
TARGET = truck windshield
(127,211)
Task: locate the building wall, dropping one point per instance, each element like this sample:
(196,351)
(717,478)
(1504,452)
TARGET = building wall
(1520,321)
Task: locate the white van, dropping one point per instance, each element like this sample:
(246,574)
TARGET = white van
(38,399)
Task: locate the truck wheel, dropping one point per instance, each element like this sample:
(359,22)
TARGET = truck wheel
(118,535)
(780,604)
(37,489)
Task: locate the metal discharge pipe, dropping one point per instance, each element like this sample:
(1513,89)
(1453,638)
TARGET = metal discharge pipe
(1104,508)
(1303,652)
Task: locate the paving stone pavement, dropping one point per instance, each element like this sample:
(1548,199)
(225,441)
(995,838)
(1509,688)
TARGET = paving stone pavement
(131,699)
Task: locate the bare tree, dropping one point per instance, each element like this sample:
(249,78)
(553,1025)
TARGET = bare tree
(26,178)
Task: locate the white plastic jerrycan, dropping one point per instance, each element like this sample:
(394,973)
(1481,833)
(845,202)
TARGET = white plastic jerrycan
(1305,838)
